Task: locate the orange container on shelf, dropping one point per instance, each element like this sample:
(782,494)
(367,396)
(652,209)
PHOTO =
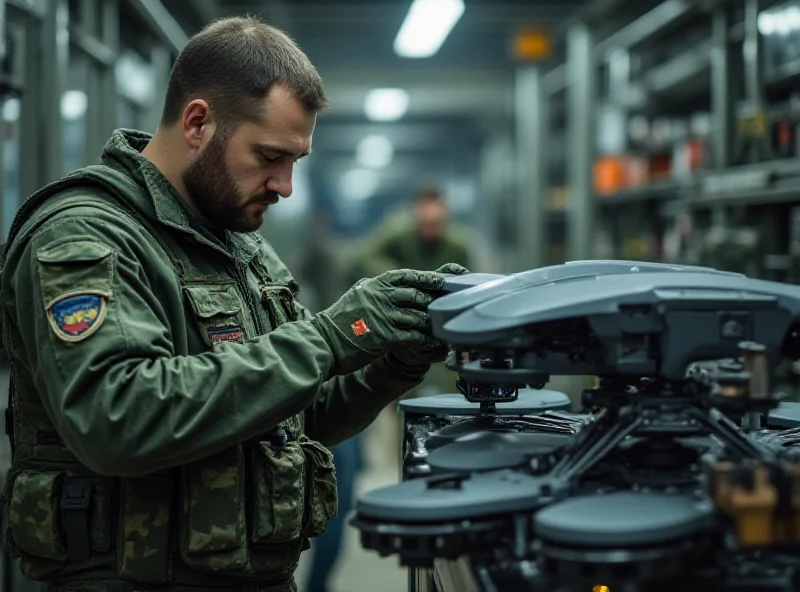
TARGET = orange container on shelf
(609,174)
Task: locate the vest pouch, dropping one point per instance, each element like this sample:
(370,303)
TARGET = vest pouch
(321,493)
(278,486)
(278,301)
(35,515)
(213,531)
(218,313)
(144,550)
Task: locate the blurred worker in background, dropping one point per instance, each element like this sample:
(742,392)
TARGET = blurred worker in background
(171,400)
(419,241)
(416,241)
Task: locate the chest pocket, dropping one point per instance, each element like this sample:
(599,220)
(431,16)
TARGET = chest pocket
(219,314)
(278,302)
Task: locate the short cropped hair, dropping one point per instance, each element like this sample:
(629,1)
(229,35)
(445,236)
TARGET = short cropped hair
(232,64)
(429,193)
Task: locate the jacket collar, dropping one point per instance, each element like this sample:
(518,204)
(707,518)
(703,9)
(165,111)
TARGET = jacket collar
(123,151)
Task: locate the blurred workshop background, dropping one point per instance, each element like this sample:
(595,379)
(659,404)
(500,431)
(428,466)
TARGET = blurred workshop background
(664,130)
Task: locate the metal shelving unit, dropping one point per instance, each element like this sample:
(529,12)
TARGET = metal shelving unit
(716,66)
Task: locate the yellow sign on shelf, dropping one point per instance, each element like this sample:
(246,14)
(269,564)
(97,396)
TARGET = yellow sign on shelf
(532,44)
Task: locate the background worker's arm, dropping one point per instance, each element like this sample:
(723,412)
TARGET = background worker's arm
(121,399)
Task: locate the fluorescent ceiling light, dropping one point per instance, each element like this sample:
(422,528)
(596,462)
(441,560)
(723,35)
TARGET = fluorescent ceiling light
(73,105)
(11,109)
(427,25)
(374,152)
(359,184)
(386,104)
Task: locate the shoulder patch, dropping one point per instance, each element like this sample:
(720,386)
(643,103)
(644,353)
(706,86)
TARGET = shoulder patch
(76,316)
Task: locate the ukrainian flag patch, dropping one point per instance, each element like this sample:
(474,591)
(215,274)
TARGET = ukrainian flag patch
(77,316)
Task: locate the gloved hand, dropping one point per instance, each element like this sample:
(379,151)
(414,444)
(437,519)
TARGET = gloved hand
(418,358)
(378,315)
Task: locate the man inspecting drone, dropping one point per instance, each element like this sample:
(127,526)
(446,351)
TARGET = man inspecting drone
(171,402)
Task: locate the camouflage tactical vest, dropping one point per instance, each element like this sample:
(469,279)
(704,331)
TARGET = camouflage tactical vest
(243,515)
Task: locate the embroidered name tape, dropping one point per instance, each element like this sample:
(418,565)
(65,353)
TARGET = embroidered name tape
(77,316)
(226,335)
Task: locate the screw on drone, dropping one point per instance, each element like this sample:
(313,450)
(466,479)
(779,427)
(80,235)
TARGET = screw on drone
(756,364)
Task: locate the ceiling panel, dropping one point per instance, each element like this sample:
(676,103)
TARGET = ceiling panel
(406,137)
(352,33)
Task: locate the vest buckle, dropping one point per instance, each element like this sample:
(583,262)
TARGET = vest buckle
(76,499)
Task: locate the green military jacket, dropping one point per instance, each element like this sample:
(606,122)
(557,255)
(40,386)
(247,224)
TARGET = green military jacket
(170,403)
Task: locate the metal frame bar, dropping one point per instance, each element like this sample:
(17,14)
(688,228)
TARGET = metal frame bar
(2,28)
(161,59)
(29,175)
(721,88)
(161,22)
(28,7)
(531,121)
(646,26)
(752,53)
(555,80)
(581,95)
(54,64)
(91,46)
(93,73)
(109,34)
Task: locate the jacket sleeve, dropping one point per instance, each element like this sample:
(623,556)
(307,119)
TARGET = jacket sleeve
(346,405)
(121,399)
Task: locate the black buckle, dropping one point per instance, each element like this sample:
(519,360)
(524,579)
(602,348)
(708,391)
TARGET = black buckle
(278,437)
(76,499)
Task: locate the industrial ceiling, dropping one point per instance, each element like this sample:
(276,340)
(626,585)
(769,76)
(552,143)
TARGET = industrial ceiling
(455,97)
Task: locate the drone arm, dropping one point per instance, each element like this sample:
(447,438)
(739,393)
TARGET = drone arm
(599,439)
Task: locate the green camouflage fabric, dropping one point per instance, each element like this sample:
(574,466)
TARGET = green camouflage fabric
(154,362)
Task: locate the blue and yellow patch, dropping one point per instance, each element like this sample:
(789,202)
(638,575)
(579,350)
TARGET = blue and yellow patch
(77,316)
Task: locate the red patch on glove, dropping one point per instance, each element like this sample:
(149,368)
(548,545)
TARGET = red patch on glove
(360,327)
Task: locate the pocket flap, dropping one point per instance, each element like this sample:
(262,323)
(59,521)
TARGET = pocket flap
(73,251)
(321,487)
(34,517)
(75,267)
(210,301)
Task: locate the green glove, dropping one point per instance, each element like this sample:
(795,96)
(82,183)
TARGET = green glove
(452,269)
(378,315)
(417,359)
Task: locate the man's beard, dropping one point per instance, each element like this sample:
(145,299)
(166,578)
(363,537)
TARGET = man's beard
(214,193)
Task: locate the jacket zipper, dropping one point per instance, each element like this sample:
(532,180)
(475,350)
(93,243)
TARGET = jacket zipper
(241,277)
